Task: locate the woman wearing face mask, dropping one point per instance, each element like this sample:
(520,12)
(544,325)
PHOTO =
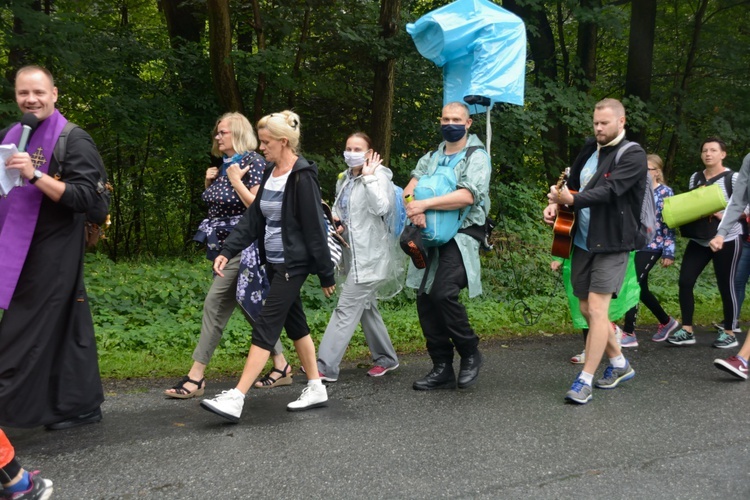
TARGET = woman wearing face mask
(364,200)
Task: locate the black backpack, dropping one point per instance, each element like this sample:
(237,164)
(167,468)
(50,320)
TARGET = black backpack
(99,213)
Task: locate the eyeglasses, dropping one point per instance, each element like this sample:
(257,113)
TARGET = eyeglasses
(222,133)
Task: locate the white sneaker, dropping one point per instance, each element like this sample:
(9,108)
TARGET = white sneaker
(313,396)
(618,333)
(579,359)
(228,404)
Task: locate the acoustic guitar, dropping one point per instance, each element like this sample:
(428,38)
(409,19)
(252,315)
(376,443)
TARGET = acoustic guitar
(562,240)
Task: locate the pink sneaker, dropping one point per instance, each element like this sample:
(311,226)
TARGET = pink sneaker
(379,371)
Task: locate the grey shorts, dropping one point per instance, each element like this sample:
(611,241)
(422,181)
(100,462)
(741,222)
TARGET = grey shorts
(597,272)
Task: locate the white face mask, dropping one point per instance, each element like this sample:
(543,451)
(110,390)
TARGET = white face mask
(354,158)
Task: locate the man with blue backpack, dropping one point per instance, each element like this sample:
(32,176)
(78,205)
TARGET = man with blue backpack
(448,194)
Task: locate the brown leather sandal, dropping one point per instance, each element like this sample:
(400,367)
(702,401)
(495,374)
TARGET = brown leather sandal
(267,381)
(181,392)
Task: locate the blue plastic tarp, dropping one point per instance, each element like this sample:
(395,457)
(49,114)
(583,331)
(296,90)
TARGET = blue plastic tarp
(481,48)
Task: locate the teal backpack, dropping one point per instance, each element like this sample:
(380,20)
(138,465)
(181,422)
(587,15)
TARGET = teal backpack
(442,225)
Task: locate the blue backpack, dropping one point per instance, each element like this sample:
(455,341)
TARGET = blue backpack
(397,218)
(442,225)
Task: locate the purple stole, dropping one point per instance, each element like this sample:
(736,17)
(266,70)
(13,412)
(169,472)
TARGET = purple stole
(19,211)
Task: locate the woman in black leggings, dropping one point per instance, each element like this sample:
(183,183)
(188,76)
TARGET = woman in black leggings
(698,254)
(660,247)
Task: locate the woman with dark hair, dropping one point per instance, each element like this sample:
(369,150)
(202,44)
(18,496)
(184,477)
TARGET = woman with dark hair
(698,254)
(364,204)
(230,189)
(287,220)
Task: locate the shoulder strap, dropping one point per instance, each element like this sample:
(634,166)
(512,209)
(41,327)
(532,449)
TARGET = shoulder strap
(717,178)
(728,183)
(697,179)
(61,147)
(469,151)
(622,150)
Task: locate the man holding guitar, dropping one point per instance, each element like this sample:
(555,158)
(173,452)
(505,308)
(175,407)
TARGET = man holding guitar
(606,195)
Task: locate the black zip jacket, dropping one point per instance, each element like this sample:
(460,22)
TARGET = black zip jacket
(615,196)
(303,230)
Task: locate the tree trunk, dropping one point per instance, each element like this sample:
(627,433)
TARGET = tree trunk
(586,47)
(18,57)
(640,55)
(382,95)
(689,64)
(260,86)
(304,34)
(185,21)
(220,56)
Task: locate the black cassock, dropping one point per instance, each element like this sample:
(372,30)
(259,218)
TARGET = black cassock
(49,369)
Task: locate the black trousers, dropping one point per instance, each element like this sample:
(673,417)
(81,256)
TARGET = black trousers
(694,261)
(282,309)
(443,318)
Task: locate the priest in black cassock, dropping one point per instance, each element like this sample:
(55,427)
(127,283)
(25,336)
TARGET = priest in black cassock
(49,371)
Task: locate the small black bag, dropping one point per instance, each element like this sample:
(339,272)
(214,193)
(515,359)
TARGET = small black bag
(411,243)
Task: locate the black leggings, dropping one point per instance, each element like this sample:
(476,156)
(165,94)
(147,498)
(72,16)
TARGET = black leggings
(645,260)
(9,471)
(694,261)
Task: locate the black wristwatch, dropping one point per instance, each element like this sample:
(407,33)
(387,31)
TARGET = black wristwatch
(37,175)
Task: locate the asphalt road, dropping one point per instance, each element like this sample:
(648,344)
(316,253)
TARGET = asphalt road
(679,429)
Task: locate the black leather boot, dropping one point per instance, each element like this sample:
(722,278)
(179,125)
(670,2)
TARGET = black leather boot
(469,372)
(441,376)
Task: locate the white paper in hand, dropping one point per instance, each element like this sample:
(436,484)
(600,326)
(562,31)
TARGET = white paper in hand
(8,178)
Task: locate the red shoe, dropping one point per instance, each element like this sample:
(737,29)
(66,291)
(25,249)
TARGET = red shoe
(733,365)
(379,371)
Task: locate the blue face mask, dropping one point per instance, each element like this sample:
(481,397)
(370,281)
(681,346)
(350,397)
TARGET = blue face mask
(453,133)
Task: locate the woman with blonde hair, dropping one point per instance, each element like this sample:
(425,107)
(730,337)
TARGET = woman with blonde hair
(230,189)
(288,223)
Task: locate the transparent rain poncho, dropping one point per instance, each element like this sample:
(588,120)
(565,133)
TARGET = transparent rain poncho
(371,222)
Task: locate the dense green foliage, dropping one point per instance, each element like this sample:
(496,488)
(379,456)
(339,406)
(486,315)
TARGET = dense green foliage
(147,96)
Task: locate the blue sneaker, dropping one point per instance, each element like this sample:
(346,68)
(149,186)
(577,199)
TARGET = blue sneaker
(613,376)
(40,489)
(682,337)
(579,393)
(725,340)
(666,330)
(628,340)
